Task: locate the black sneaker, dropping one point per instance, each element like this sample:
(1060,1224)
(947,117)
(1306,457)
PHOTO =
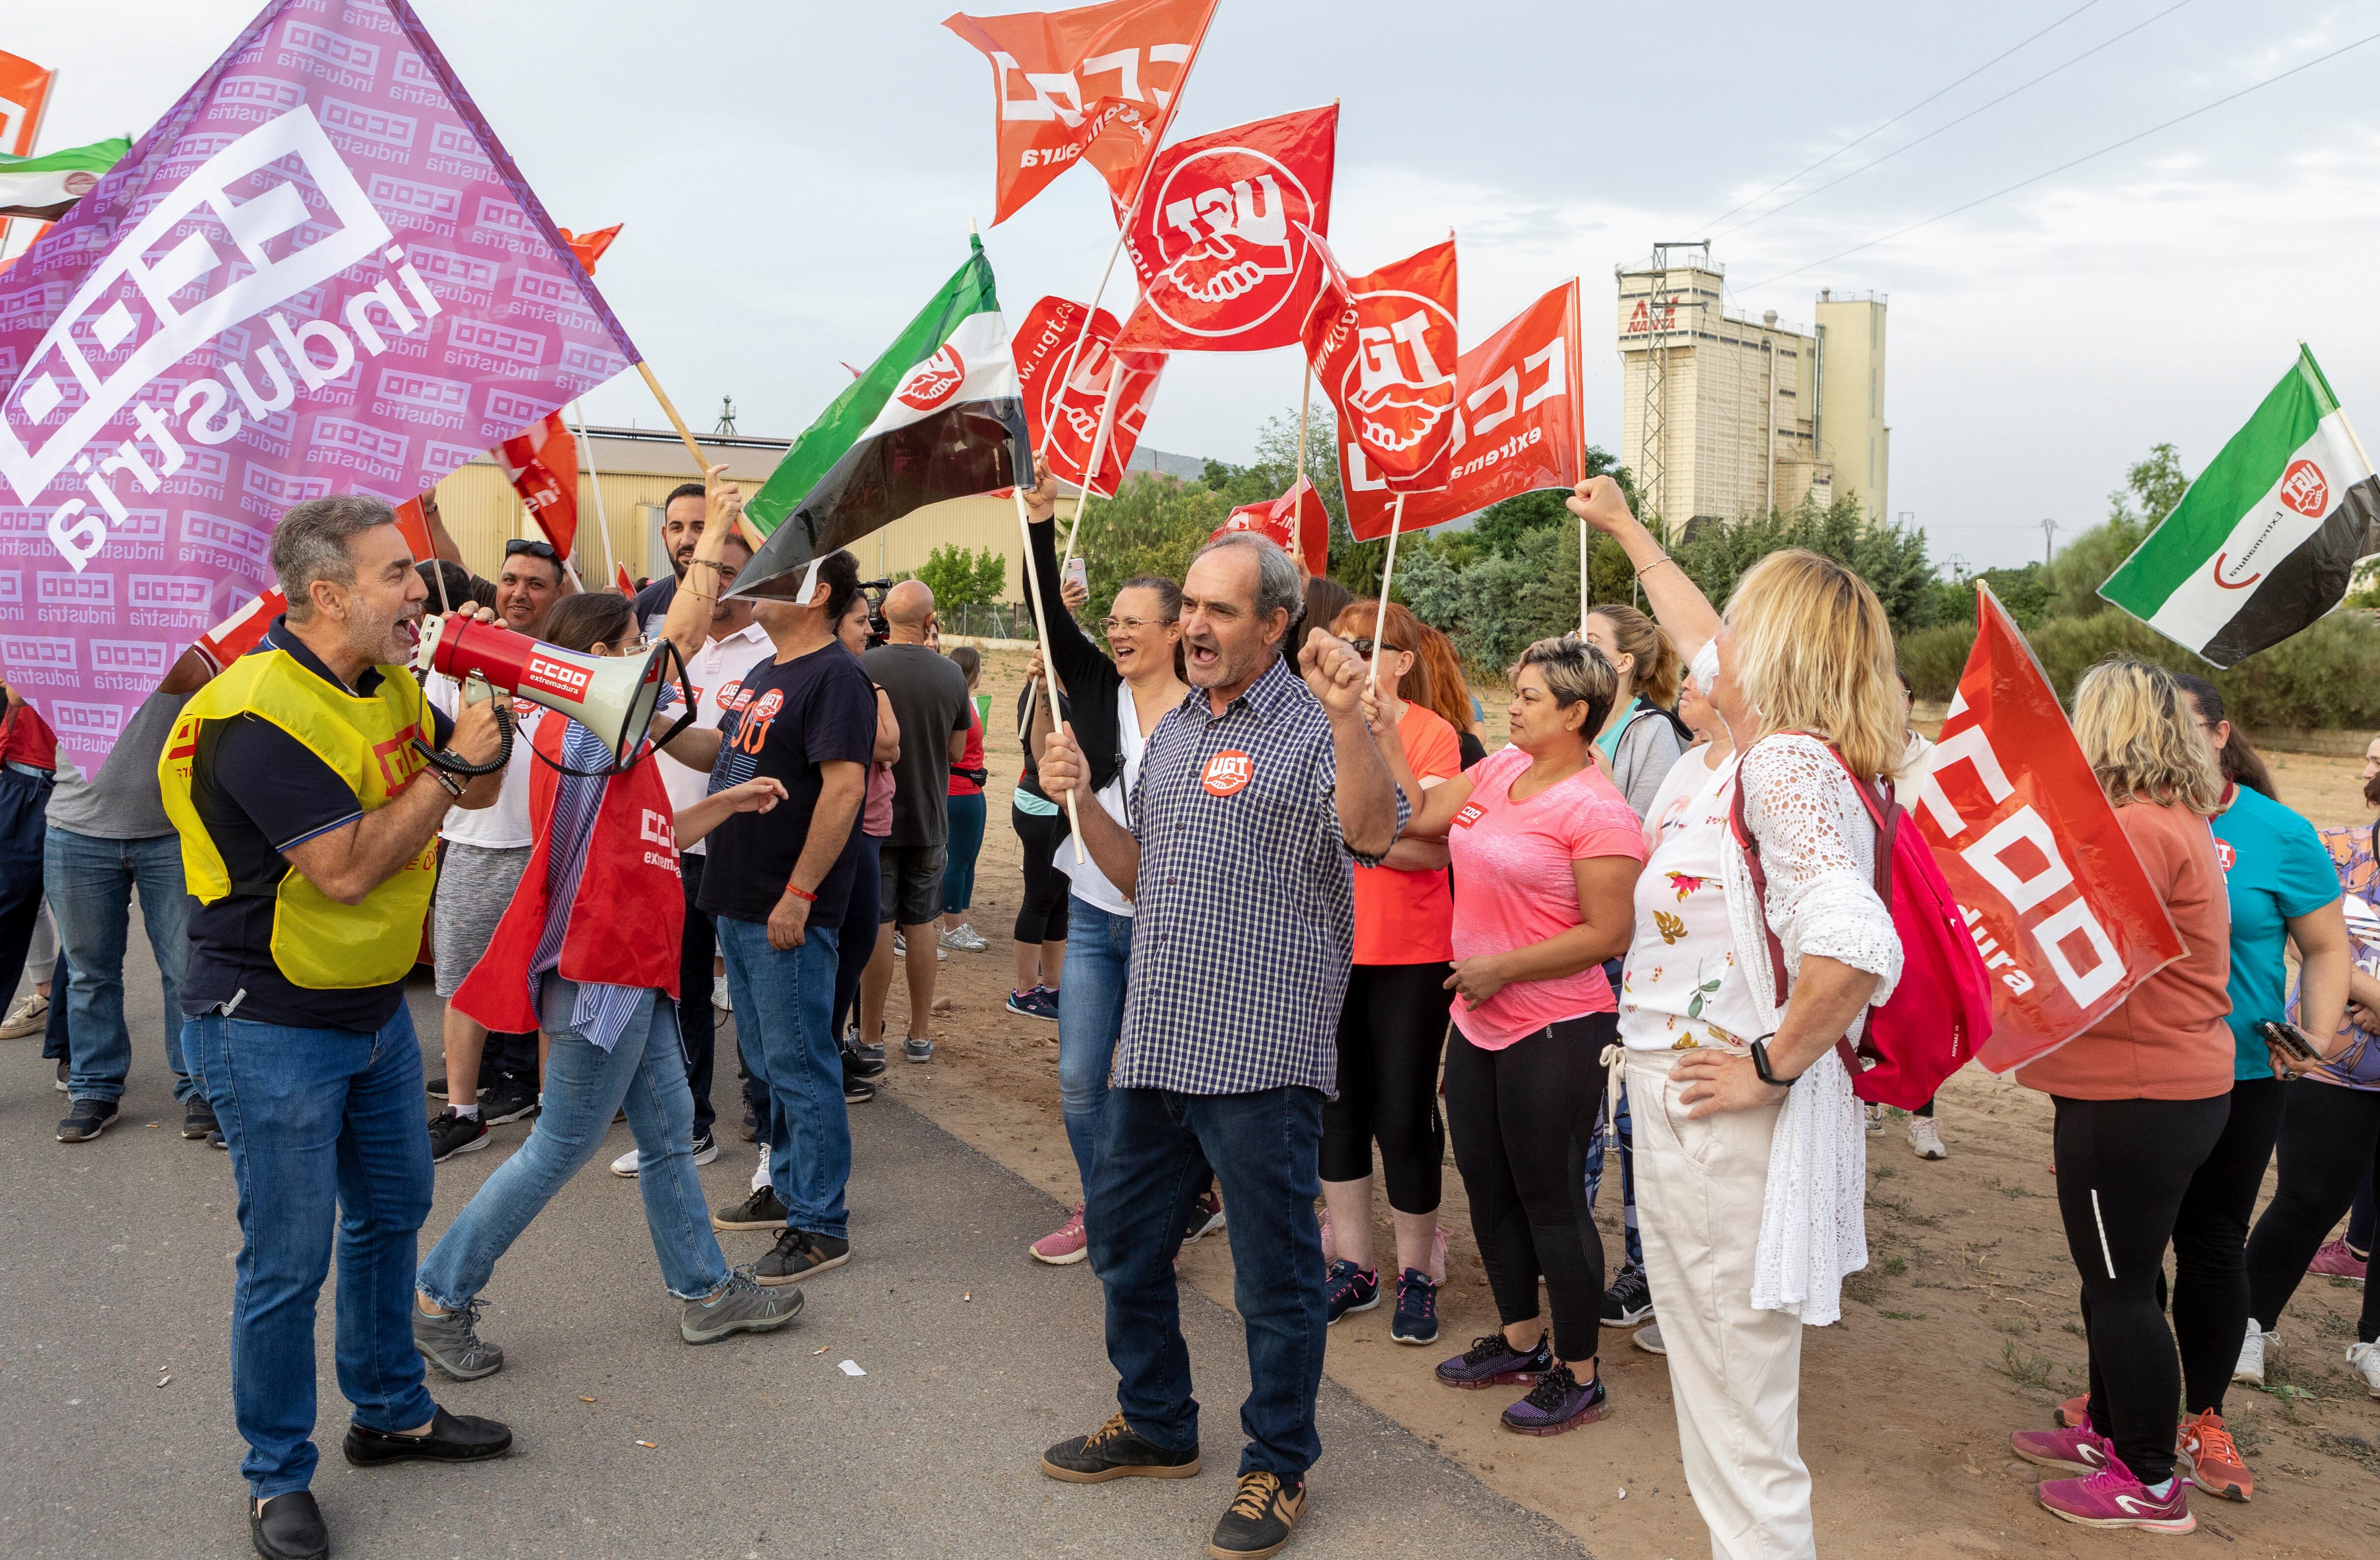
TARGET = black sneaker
(872,1052)
(451,1134)
(289,1527)
(512,1098)
(1349,1288)
(1206,1216)
(856,1090)
(435,1087)
(198,1117)
(799,1253)
(1116,1451)
(86,1120)
(858,1064)
(760,1211)
(451,1438)
(1262,1517)
(1417,1317)
(1628,1301)
(1558,1403)
(1490,1361)
(66,1071)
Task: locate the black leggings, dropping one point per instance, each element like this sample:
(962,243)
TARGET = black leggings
(2210,1239)
(2124,1167)
(2330,1142)
(1042,917)
(1391,1028)
(1521,1118)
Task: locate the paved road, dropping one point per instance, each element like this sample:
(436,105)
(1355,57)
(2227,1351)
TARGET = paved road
(118,1276)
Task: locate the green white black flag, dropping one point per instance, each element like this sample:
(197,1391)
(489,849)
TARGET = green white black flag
(47,187)
(938,415)
(2266,539)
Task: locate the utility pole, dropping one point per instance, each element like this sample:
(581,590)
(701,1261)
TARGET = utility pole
(726,416)
(2049,541)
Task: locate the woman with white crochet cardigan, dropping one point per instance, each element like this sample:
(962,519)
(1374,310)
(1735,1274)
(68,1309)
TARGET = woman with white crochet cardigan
(1750,1150)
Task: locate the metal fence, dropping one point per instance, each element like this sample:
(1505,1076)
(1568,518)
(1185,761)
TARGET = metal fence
(993,620)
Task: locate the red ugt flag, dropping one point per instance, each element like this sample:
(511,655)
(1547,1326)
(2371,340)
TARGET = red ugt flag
(1067,391)
(1224,237)
(1094,84)
(1296,522)
(1516,424)
(1385,349)
(2067,921)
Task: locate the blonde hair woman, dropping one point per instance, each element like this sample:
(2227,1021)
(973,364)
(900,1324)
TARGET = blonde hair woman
(1750,1148)
(2141,1098)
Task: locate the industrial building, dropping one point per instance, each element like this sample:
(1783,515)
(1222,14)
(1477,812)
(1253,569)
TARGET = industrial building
(1723,415)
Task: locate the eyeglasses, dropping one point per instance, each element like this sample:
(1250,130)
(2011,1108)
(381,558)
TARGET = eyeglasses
(637,646)
(1110,625)
(519,544)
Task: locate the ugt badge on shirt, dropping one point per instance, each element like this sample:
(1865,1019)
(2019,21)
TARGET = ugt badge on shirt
(1228,773)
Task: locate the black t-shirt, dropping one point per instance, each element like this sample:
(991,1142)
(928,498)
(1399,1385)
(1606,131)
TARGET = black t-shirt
(789,718)
(652,603)
(929,698)
(261,791)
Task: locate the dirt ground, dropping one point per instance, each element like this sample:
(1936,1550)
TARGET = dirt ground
(1964,1327)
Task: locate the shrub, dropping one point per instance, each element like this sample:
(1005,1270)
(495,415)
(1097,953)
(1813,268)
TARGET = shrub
(1932,658)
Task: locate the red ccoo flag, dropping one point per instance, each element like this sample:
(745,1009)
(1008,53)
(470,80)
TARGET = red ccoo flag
(1516,424)
(1096,84)
(1296,522)
(2044,876)
(1224,239)
(542,465)
(1063,404)
(1385,349)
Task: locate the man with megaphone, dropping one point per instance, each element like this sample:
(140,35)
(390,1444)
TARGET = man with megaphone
(298,783)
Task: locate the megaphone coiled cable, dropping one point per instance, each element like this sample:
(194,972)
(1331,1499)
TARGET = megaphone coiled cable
(453,764)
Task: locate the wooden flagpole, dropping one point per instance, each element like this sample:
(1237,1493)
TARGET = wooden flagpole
(1387,572)
(1049,663)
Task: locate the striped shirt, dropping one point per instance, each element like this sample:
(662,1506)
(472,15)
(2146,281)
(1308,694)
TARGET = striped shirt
(1244,910)
(601,1010)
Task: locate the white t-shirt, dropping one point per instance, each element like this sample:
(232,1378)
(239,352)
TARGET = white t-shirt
(1683,986)
(504,826)
(1089,882)
(717,672)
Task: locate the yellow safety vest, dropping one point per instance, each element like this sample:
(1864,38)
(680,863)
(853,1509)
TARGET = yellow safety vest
(318,943)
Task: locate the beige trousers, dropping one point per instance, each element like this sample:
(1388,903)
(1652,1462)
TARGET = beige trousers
(1735,1373)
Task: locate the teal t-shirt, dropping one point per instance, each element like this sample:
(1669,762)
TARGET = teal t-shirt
(2275,867)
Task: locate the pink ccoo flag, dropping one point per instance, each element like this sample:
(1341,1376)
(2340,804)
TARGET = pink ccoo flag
(320,273)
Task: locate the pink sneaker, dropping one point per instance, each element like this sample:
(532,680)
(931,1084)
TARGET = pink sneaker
(2113,1498)
(2335,1260)
(1066,1244)
(2079,1450)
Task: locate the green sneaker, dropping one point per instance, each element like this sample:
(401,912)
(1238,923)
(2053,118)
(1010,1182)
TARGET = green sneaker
(740,1305)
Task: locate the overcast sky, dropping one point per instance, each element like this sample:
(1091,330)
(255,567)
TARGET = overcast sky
(796,179)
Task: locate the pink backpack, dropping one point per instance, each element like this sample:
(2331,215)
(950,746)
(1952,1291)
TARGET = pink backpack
(1941,1011)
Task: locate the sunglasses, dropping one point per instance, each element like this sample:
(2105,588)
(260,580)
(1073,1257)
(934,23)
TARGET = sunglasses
(534,549)
(1366,647)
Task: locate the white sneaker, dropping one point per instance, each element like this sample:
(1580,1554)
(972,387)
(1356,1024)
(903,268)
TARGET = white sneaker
(2251,1369)
(1648,1339)
(1875,1119)
(761,1175)
(626,1163)
(705,1151)
(965,938)
(31,1016)
(2365,1360)
(718,995)
(1925,1137)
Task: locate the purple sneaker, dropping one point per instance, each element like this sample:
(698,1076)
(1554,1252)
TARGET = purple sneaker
(1350,1288)
(2113,1498)
(1490,1361)
(2078,1450)
(1558,1403)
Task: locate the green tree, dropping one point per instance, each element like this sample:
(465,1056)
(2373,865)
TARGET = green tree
(960,578)
(2152,487)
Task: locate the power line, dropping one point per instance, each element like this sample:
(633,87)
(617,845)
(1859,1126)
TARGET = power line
(2072,162)
(1903,113)
(1962,119)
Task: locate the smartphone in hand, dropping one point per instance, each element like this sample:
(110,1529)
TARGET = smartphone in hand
(2288,1038)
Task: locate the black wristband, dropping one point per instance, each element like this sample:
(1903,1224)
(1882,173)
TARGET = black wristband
(1760,1065)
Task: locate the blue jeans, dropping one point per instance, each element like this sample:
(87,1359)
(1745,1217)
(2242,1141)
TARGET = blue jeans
(782,1023)
(645,1071)
(89,882)
(1155,1148)
(1099,951)
(324,1128)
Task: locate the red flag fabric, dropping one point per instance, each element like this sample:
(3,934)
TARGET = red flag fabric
(1223,239)
(590,246)
(1516,424)
(1385,349)
(620,581)
(1296,521)
(237,635)
(2065,918)
(1094,84)
(1067,386)
(24,88)
(413,524)
(544,466)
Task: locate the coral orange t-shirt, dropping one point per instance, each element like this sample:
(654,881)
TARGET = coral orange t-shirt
(1400,917)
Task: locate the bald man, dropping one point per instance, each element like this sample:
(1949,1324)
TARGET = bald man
(929,696)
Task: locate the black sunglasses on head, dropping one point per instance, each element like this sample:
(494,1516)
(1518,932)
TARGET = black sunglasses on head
(519,544)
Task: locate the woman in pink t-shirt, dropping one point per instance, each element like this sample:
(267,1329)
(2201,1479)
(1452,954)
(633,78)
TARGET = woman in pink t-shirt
(1546,853)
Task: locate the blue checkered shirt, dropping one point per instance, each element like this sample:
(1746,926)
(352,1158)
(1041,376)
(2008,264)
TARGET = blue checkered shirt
(1244,917)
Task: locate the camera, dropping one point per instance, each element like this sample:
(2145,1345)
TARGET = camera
(879,631)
